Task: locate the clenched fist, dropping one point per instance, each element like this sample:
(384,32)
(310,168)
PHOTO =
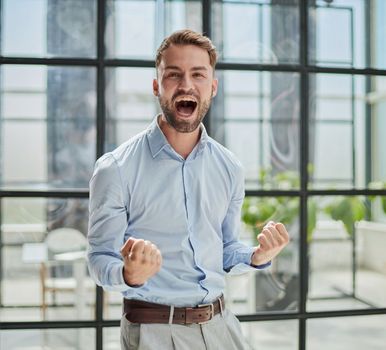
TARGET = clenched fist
(273,238)
(142,259)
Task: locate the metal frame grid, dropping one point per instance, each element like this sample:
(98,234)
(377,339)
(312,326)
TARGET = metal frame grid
(303,68)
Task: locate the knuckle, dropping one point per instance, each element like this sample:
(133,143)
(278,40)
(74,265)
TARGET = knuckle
(133,256)
(138,245)
(147,243)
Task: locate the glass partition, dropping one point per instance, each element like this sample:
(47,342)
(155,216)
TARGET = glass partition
(130,103)
(44,273)
(268,32)
(346,123)
(262,110)
(369,331)
(145,23)
(346,264)
(49,28)
(44,339)
(47,126)
(347,33)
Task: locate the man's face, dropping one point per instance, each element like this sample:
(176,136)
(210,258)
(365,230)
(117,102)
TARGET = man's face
(185,86)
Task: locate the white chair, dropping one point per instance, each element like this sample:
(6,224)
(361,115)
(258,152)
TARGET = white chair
(65,247)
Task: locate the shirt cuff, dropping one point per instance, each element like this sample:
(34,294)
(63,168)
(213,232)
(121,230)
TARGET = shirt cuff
(259,267)
(242,261)
(117,282)
(130,285)
(262,266)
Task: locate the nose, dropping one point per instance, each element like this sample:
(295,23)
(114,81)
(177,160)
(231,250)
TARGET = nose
(186,83)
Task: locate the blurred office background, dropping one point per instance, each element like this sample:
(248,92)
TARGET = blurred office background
(301,102)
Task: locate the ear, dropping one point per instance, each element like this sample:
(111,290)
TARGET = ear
(214,87)
(155,87)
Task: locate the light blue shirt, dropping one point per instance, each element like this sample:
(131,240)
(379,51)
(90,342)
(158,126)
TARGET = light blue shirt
(190,208)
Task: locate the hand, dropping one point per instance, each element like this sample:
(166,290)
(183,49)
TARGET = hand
(142,259)
(273,238)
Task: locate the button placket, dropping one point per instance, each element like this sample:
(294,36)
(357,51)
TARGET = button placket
(184,183)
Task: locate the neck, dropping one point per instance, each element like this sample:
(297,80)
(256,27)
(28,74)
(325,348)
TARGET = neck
(182,143)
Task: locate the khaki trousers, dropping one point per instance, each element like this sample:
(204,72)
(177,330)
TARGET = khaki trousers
(222,332)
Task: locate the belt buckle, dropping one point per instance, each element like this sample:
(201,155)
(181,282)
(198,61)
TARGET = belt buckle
(211,315)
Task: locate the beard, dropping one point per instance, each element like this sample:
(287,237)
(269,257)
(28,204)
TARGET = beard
(181,125)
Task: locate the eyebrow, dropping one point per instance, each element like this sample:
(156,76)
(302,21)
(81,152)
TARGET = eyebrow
(197,68)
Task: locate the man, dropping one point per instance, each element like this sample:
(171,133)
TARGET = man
(164,215)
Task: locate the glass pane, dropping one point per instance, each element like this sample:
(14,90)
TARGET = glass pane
(256,116)
(347,33)
(48,339)
(276,288)
(328,159)
(47,126)
(182,14)
(130,103)
(49,28)
(112,305)
(346,131)
(257,32)
(354,333)
(111,338)
(135,29)
(278,335)
(377,109)
(346,259)
(44,274)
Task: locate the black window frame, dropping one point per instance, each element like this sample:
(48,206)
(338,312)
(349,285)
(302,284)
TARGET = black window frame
(303,68)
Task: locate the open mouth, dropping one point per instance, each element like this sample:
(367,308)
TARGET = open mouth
(185,107)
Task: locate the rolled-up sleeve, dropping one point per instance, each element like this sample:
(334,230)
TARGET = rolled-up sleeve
(108,218)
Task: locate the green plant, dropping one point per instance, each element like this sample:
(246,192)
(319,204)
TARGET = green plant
(351,209)
(348,210)
(258,211)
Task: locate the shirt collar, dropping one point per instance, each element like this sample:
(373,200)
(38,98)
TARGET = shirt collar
(158,141)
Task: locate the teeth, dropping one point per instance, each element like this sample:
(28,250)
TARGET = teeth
(185,99)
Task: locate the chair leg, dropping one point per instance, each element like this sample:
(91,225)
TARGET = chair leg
(43,275)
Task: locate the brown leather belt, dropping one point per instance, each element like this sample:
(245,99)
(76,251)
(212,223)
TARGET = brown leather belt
(143,312)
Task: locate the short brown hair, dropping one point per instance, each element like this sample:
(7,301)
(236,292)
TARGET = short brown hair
(187,37)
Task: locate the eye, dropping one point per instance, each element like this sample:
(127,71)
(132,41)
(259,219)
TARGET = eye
(198,75)
(173,75)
